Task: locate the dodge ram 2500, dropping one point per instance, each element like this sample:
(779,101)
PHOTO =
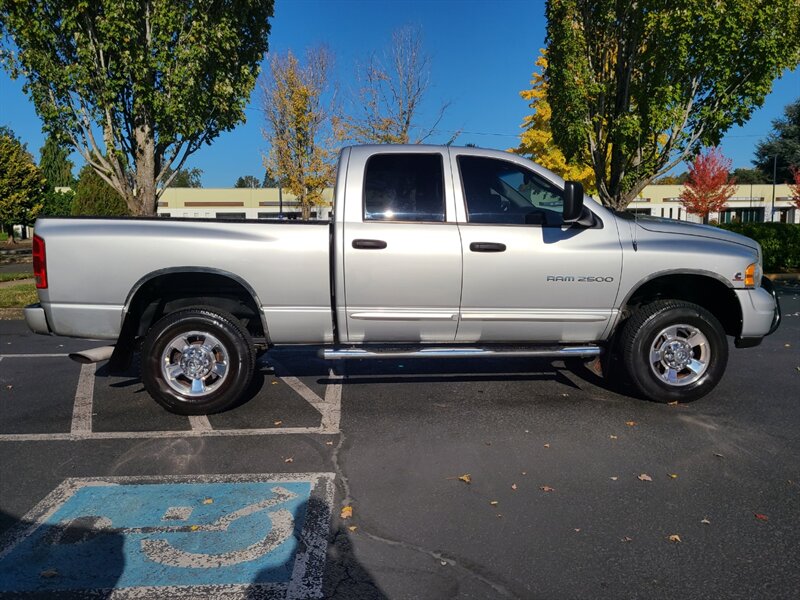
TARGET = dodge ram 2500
(430,252)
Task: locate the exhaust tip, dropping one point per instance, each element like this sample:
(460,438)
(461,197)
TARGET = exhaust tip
(93,355)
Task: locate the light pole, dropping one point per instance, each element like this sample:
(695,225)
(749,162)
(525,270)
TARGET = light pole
(774,177)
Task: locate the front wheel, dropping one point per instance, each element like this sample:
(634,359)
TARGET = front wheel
(674,351)
(197,361)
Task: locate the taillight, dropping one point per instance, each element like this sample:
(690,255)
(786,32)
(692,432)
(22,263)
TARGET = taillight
(39,262)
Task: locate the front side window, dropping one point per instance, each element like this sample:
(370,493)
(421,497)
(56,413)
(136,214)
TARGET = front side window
(404,187)
(498,191)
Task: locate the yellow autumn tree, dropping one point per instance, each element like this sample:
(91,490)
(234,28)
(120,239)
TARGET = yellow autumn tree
(536,141)
(298,126)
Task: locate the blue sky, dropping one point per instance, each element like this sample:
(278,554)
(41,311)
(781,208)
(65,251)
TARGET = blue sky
(482,55)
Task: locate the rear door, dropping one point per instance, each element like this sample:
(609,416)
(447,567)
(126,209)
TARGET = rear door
(401,246)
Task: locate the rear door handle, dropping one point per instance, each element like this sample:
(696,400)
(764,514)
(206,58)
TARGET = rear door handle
(487,247)
(369,244)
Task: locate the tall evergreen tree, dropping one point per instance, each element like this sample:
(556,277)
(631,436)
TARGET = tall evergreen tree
(782,143)
(55,164)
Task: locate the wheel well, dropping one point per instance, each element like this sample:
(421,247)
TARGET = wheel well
(169,292)
(713,295)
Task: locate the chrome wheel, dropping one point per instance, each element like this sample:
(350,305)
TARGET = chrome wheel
(680,355)
(194,364)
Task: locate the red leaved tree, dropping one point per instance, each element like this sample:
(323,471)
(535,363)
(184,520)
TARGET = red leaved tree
(795,187)
(709,186)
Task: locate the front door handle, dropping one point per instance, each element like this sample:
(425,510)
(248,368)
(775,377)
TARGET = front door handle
(487,247)
(369,244)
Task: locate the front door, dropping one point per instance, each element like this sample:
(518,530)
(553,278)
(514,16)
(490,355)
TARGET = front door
(402,258)
(527,276)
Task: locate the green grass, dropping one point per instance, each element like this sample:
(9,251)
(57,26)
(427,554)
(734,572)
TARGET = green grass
(18,296)
(15,276)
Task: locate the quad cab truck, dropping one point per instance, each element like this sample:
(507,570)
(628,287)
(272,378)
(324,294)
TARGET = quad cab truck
(430,252)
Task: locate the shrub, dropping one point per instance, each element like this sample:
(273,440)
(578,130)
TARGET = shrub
(780,243)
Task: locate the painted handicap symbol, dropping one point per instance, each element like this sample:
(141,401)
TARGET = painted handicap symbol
(185,535)
(162,551)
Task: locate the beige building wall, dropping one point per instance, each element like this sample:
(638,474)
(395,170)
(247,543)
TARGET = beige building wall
(749,203)
(233,203)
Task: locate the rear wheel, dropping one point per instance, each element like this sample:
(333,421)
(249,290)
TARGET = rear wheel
(197,361)
(674,351)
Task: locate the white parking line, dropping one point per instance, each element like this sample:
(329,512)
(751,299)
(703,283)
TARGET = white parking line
(330,407)
(82,411)
(333,400)
(33,355)
(139,435)
(200,423)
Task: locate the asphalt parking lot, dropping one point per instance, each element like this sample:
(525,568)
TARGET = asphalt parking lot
(574,490)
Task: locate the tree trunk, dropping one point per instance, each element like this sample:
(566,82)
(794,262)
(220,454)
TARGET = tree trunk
(144,201)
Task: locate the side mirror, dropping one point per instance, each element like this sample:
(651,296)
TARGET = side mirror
(573,201)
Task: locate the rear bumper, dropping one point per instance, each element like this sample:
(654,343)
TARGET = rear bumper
(36,319)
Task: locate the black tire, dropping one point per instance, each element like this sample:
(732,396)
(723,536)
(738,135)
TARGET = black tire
(212,371)
(674,351)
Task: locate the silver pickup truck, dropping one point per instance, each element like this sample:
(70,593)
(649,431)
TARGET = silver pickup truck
(431,252)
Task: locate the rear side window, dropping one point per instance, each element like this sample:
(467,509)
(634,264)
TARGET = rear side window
(404,187)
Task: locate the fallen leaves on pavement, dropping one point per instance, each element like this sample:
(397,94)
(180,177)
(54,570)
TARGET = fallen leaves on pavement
(466,478)
(630,423)
(705,521)
(347,512)
(675,538)
(761,517)
(547,488)
(644,477)
(514,486)
(626,539)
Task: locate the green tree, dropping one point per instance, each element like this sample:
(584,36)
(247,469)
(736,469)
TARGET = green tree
(55,163)
(269,181)
(95,198)
(298,126)
(247,181)
(156,78)
(537,139)
(747,176)
(57,204)
(22,185)
(637,87)
(185,178)
(679,179)
(784,143)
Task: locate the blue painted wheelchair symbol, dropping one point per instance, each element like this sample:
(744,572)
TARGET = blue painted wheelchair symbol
(229,533)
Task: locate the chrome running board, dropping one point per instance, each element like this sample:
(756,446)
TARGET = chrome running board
(456,352)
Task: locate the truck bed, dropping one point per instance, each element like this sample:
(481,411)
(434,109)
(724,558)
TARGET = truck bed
(286,266)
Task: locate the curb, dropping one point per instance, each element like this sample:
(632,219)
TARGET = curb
(17,252)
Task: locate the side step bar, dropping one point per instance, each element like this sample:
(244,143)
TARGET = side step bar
(457,352)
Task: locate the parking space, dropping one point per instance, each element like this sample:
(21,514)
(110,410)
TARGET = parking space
(95,474)
(292,392)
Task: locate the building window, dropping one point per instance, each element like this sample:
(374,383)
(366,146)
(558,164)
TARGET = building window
(231,216)
(742,215)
